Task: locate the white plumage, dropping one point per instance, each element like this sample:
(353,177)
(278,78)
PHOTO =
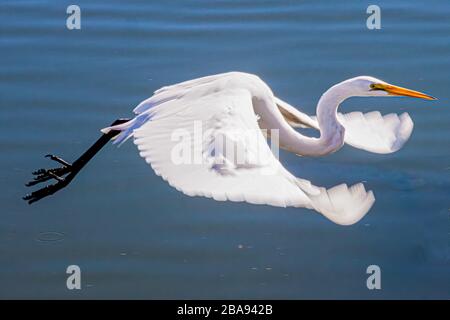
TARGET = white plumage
(237,108)
(370,131)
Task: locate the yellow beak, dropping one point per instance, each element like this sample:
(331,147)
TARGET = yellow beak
(399,91)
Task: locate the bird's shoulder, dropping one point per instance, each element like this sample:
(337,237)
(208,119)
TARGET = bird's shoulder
(216,83)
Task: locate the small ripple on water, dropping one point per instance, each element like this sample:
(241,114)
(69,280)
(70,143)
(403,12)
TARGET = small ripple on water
(50,236)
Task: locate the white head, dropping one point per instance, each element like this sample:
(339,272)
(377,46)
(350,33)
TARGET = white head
(366,86)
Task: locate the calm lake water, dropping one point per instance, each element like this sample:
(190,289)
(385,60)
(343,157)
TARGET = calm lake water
(133,236)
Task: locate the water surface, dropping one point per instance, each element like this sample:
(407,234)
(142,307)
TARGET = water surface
(133,236)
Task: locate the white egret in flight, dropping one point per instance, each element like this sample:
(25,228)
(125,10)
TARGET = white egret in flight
(229,103)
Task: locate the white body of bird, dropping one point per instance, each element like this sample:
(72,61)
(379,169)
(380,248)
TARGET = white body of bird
(225,106)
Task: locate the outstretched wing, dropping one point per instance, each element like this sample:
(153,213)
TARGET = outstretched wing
(367,131)
(212,146)
(376,133)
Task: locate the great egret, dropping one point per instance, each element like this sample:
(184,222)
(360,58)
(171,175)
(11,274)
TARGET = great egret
(225,105)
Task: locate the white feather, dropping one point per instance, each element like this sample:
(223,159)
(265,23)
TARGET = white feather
(371,131)
(224,110)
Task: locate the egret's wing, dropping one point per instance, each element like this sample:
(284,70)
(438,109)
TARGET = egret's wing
(368,131)
(212,146)
(295,117)
(376,133)
(174,92)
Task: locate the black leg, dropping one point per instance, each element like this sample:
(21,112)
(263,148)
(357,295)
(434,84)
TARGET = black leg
(65,174)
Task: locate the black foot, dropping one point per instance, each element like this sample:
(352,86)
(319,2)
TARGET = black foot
(65,174)
(43,175)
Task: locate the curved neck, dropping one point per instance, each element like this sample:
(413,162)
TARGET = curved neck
(331,131)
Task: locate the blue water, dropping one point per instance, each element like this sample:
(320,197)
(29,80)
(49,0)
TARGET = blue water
(133,236)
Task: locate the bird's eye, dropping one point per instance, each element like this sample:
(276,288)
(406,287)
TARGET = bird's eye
(376,86)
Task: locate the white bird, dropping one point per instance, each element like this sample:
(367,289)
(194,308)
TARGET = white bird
(224,162)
